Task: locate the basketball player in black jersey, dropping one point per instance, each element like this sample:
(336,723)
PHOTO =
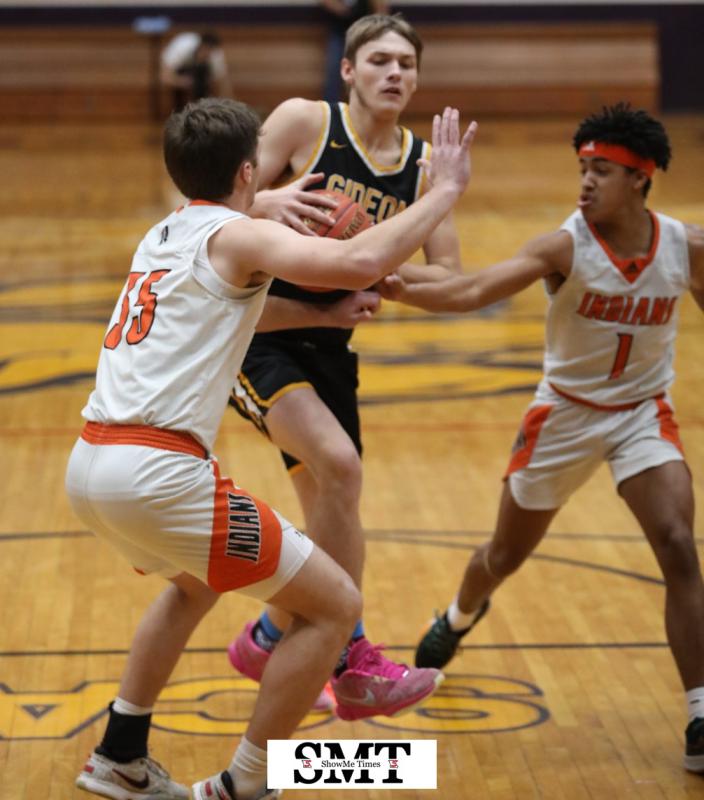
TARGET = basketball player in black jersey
(299,380)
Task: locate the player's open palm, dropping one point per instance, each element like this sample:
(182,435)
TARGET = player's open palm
(450,162)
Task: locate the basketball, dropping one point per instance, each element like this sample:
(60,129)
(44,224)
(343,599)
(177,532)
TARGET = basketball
(346,220)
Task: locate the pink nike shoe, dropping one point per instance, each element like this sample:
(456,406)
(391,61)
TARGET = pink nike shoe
(249,659)
(372,685)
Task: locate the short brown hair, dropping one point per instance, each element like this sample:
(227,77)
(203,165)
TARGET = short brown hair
(206,143)
(374,26)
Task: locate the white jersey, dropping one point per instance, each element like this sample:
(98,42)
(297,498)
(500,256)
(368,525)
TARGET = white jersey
(611,325)
(178,334)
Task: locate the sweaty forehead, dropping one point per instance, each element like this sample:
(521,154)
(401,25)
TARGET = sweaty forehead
(599,160)
(390,43)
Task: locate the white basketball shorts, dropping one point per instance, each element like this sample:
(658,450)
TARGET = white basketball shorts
(562,442)
(158,498)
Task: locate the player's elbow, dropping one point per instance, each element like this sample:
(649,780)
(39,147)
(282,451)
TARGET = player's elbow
(363,269)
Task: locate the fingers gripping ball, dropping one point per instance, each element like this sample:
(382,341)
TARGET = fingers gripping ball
(347,219)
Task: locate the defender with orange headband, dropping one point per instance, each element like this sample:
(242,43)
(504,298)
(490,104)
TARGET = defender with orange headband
(624,136)
(615,273)
(619,155)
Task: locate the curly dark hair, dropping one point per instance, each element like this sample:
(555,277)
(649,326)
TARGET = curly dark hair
(634,129)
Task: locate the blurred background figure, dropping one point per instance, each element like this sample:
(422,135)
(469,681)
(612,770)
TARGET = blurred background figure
(341,14)
(193,65)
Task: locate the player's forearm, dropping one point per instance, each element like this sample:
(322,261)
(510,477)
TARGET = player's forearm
(453,294)
(425,273)
(383,247)
(471,291)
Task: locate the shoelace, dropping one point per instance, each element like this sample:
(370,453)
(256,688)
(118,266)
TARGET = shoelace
(437,636)
(371,660)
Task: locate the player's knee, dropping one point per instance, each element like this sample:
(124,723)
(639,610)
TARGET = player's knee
(343,468)
(675,550)
(345,609)
(502,561)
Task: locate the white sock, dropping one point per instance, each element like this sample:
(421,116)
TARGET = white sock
(695,702)
(248,770)
(458,619)
(129,709)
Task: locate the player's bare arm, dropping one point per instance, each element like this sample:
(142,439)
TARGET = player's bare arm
(548,256)
(695,242)
(288,139)
(443,246)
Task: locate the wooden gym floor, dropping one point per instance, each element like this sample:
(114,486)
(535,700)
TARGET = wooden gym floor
(566,690)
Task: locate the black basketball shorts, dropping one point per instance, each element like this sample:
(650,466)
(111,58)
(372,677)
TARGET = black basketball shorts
(273,367)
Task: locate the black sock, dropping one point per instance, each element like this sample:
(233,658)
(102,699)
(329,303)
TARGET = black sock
(125,737)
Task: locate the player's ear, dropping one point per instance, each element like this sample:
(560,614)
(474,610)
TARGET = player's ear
(246,172)
(640,179)
(346,70)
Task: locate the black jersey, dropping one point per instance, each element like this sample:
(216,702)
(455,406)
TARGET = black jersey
(382,192)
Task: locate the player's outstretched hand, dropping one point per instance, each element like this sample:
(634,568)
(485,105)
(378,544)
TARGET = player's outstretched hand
(292,204)
(449,162)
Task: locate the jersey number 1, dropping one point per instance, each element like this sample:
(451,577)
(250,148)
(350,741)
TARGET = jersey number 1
(625,342)
(146,300)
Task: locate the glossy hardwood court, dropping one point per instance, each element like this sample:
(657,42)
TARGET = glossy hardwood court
(566,690)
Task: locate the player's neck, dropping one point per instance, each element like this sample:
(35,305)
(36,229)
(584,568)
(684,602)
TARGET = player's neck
(629,235)
(380,134)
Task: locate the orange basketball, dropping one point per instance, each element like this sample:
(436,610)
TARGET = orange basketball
(347,219)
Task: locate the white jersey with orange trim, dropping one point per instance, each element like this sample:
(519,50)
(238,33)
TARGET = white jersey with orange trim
(178,333)
(611,325)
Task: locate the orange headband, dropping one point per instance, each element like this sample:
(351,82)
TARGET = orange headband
(619,155)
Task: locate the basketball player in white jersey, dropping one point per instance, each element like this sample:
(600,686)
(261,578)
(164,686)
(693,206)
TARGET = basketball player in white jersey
(299,379)
(142,475)
(615,273)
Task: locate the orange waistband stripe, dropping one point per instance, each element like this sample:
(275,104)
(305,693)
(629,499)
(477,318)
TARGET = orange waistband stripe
(598,407)
(143,435)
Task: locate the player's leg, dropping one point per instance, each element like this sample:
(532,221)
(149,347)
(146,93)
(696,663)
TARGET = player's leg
(314,420)
(518,532)
(558,446)
(121,762)
(161,635)
(100,477)
(324,605)
(299,423)
(329,480)
(329,485)
(305,401)
(662,501)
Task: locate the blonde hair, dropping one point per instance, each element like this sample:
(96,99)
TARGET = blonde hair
(374,26)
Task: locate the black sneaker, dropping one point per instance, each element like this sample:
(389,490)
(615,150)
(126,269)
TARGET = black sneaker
(694,745)
(440,643)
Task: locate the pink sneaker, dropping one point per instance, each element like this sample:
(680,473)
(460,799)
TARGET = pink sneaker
(372,685)
(249,659)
